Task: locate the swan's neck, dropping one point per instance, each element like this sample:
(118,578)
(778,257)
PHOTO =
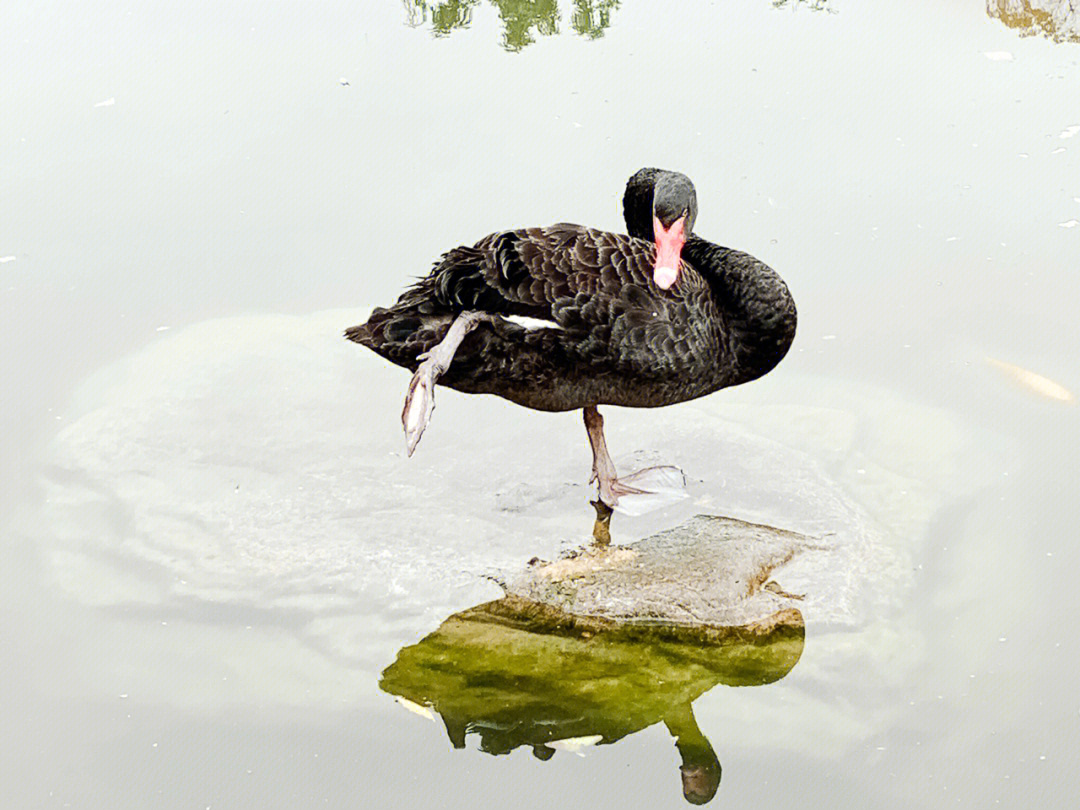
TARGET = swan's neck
(755,305)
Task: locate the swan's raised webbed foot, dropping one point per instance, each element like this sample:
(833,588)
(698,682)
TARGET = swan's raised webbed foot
(634,494)
(420,400)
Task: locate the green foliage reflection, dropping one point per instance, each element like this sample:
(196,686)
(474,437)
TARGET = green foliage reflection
(445,17)
(1058,20)
(591,17)
(520,17)
(523,20)
(813,5)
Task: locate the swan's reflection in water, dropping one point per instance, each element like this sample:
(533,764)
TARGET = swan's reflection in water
(516,675)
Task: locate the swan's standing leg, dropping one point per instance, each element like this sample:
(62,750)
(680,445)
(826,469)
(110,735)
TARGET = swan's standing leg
(420,401)
(603,468)
(640,492)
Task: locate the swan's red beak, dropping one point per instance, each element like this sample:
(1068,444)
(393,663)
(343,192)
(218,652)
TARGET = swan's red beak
(669,243)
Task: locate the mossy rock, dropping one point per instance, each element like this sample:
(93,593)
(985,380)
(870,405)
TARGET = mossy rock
(707,575)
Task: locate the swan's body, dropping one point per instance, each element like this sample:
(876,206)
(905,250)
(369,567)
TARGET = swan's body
(568,317)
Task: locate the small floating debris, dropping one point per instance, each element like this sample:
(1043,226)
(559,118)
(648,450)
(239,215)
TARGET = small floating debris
(1070,132)
(576,745)
(1069,223)
(999,56)
(343,82)
(415,708)
(6,259)
(1058,151)
(1043,386)
(106,103)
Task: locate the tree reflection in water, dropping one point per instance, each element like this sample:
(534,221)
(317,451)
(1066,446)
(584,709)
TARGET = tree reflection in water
(522,20)
(813,5)
(445,17)
(591,17)
(1058,20)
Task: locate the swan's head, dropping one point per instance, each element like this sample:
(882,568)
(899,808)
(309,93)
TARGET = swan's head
(673,203)
(700,769)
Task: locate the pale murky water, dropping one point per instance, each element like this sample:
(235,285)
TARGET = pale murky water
(214,545)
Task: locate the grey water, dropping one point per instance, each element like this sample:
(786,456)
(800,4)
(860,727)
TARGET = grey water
(214,546)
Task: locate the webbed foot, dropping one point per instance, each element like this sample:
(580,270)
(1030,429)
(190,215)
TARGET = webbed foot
(419,403)
(644,491)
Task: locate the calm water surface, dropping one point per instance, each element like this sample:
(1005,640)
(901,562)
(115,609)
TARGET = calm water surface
(214,548)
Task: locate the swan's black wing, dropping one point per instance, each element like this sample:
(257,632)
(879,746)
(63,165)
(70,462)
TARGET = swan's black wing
(535,272)
(594,287)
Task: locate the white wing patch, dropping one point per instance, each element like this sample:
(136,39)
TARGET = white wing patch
(576,745)
(416,708)
(531,323)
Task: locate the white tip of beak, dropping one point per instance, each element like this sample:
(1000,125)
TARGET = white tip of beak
(665,277)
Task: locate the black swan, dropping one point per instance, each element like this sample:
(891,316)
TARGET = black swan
(568,317)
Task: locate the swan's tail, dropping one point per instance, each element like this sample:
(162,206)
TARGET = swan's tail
(400,334)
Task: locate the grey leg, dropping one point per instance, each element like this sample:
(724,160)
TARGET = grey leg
(603,468)
(420,401)
(642,491)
